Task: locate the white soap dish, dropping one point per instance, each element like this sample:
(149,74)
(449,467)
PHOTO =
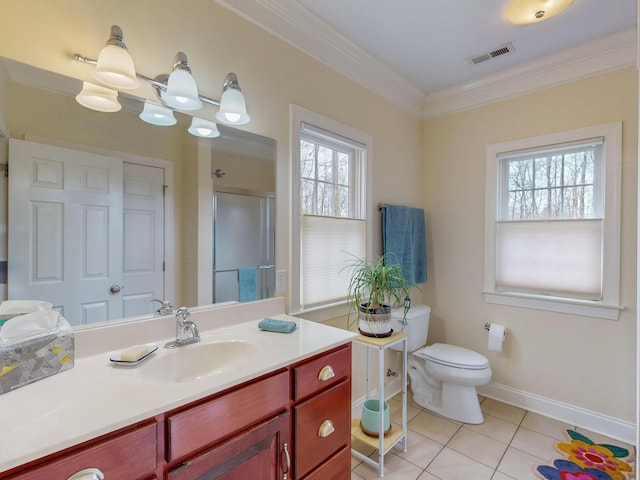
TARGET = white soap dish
(139,352)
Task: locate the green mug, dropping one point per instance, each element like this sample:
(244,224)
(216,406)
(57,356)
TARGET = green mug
(371,417)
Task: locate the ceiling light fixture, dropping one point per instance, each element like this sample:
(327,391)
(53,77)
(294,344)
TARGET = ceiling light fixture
(99,98)
(524,12)
(114,66)
(176,91)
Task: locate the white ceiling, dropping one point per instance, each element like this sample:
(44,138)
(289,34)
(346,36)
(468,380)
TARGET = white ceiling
(429,41)
(411,51)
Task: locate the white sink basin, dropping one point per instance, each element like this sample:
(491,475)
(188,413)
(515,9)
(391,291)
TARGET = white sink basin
(199,360)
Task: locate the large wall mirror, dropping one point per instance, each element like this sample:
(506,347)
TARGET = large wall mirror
(125,211)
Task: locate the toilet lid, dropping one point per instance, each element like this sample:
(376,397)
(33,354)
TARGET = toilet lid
(453,356)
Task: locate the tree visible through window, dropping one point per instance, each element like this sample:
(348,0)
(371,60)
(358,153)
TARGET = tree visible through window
(325,174)
(552,186)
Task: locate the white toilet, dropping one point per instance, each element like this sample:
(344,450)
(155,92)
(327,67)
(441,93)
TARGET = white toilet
(443,377)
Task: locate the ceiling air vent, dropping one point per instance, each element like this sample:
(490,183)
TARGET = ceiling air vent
(503,50)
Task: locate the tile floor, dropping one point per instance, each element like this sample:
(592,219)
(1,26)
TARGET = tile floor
(507,446)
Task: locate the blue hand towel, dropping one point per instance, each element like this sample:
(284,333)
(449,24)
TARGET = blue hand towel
(404,240)
(273,325)
(247,284)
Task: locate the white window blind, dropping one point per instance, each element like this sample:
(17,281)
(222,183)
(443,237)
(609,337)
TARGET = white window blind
(328,244)
(561,258)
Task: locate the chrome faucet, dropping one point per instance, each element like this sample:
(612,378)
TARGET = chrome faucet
(165,307)
(186,331)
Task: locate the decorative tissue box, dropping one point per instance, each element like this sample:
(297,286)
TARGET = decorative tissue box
(32,358)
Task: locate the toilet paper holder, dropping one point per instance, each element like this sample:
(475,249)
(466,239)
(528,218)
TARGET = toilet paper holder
(487,326)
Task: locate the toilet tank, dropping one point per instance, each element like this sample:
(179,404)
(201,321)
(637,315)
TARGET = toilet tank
(417,326)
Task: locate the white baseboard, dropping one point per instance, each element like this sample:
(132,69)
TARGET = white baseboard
(391,388)
(579,417)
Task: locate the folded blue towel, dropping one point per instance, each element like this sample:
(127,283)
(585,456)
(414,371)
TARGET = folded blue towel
(273,325)
(404,240)
(247,284)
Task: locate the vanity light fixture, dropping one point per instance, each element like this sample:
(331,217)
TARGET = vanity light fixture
(233,108)
(157,115)
(523,12)
(181,91)
(178,90)
(203,128)
(97,97)
(114,66)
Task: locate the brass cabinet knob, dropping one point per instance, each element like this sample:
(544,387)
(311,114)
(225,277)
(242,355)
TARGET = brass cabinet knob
(326,373)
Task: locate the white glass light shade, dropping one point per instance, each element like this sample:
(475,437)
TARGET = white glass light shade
(115,68)
(523,12)
(203,128)
(157,115)
(233,109)
(98,98)
(182,91)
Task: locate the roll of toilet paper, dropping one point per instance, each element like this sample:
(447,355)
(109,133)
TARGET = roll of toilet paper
(496,337)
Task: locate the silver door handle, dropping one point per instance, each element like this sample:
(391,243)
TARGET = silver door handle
(115,288)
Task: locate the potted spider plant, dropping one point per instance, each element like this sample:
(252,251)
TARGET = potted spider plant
(375,287)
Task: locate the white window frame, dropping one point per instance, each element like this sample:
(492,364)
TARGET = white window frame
(608,307)
(300,116)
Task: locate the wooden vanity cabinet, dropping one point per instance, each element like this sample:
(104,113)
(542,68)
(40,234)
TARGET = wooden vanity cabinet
(293,424)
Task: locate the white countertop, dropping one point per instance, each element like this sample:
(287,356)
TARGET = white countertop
(95,397)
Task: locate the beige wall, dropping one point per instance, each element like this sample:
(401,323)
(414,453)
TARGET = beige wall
(243,171)
(584,362)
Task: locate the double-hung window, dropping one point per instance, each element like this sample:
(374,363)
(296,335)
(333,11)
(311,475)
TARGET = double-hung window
(330,228)
(553,222)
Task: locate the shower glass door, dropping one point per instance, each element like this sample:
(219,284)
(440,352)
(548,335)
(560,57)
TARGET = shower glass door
(243,237)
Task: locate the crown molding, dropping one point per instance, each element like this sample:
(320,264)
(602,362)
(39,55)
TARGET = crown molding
(294,24)
(291,22)
(596,57)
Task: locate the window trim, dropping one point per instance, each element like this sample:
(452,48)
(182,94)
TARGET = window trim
(609,307)
(299,116)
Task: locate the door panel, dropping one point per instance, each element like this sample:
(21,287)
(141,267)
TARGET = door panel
(71,243)
(143,238)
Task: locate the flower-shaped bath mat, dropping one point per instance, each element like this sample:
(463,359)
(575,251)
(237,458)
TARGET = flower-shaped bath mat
(587,460)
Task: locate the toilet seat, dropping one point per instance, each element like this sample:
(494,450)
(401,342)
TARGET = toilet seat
(453,356)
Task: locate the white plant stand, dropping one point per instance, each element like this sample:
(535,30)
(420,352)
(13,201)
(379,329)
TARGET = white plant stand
(382,443)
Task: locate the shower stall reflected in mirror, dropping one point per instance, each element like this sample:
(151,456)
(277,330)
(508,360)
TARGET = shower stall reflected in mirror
(243,244)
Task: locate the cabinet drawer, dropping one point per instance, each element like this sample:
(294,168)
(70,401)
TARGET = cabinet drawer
(311,448)
(209,422)
(307,376)
(337,467)
(130,455)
